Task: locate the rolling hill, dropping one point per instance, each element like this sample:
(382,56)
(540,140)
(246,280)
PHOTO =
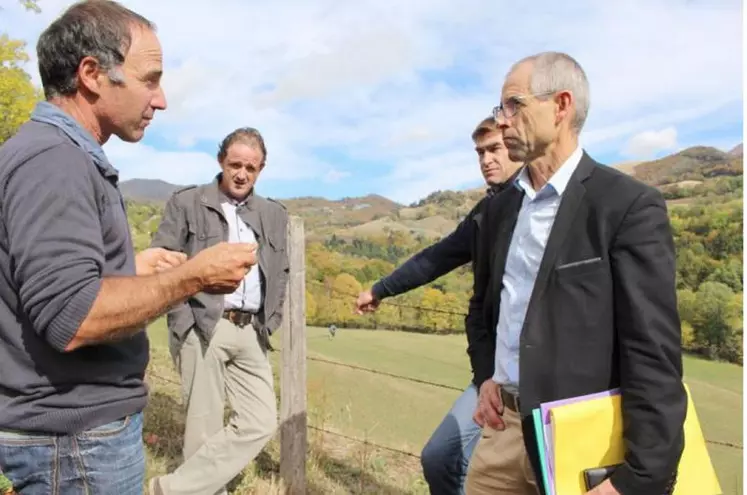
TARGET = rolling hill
(149,190)
(697,163)
(326,216)
(699,168)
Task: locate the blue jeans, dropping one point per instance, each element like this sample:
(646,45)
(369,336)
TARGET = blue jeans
(107,460)
(445,458)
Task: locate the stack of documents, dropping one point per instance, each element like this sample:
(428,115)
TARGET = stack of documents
(585,432)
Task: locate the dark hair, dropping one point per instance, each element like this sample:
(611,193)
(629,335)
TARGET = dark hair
(486,126)
(95,28)
(246,135)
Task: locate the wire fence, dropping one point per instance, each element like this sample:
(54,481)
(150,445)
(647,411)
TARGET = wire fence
(384,373)
(362,441)
(417,380)
(420,381)
(170,381)
(400,377)
(388,301)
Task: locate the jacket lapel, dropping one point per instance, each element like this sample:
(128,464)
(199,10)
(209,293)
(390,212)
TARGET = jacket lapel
(562,227)
(505,212)
(251,217)
(211,198)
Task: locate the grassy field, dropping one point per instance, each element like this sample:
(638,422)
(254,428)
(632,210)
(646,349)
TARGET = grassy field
(402,414)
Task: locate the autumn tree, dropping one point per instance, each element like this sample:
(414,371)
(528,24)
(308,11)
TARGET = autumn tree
(716,313)
(345,288)
(32,5)
(310,306)
(18,96)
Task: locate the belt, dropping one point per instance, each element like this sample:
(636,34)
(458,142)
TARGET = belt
(244,318)
(510,400)
(239,318)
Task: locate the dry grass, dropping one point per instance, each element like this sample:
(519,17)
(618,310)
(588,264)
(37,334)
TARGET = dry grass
(335,465)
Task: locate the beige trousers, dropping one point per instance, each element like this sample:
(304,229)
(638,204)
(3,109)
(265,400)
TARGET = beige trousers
(233,367)
(500,463)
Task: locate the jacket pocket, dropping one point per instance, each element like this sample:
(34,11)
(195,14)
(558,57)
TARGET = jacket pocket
(588,261)
(580,267)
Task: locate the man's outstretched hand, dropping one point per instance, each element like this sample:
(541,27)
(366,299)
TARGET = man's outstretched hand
(366,303)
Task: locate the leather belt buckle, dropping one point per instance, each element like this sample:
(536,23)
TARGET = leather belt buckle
(510,400)
(238,318)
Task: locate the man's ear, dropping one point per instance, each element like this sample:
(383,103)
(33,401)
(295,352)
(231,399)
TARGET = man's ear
(90,75)
(564,101)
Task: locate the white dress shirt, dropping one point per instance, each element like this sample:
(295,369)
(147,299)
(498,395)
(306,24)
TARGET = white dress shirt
(248,297)
(533,225)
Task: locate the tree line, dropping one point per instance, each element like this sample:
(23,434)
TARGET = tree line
(708,239)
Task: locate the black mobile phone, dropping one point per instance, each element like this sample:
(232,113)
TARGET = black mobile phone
(595,476)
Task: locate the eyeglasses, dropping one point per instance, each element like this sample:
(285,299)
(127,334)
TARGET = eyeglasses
(509,107)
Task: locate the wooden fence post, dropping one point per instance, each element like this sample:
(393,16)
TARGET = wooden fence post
(293,440)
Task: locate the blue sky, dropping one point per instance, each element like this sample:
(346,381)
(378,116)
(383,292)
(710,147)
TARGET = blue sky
(381,96)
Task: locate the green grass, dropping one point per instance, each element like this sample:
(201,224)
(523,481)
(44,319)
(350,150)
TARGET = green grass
(402,414)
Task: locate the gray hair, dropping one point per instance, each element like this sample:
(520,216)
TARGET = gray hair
(555,71)
(91,28)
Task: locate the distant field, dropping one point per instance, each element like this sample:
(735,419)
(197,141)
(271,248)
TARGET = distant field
(402,414)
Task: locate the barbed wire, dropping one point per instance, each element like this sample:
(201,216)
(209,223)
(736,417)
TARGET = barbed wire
(417,380)
(367,442)
(725,444)
(385,373)
(421,308)
(164,379)
(388,301)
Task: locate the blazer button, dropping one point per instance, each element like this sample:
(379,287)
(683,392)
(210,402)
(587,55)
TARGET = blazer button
(202,237)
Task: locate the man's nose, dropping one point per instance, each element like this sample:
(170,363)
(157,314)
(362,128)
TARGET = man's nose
(159,100)
(501,120)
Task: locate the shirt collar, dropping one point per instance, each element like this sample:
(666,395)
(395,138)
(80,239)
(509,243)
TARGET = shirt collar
(51,114)
(223,197)
(557,183)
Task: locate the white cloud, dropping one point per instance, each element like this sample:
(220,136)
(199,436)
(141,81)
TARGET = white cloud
(178,167)
(397,87)
(645,144)
(417,177)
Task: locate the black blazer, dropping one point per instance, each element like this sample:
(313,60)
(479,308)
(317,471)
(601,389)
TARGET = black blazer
(603,314)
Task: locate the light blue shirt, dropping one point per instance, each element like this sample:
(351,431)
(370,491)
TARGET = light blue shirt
(533,225)
(248,296)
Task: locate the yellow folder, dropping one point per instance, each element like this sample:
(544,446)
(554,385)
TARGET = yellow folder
(588,434)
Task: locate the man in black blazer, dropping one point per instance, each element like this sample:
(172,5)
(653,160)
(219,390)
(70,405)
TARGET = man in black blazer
(445,457)
(577,296)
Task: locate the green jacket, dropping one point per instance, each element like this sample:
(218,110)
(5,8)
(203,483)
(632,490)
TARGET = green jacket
(192,221)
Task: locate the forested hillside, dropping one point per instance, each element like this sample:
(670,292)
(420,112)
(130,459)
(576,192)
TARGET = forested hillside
(353,242)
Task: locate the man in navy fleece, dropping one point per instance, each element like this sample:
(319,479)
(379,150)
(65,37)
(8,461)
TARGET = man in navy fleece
(446,456)
(74,298)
